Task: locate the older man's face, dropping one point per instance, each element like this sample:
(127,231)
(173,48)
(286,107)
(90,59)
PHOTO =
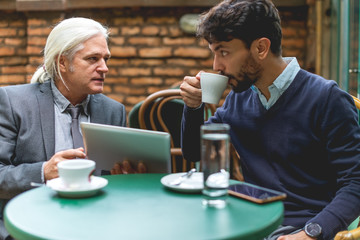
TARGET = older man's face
(85,74)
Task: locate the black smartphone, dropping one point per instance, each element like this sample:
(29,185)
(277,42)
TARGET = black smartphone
(255,193)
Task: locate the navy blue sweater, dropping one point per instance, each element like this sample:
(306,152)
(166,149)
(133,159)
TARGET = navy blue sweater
(306,145)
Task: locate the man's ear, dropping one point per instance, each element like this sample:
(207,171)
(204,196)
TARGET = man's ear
(63,63)
(261,47)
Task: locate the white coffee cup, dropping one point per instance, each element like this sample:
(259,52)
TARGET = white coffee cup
(75,173)
(212,87)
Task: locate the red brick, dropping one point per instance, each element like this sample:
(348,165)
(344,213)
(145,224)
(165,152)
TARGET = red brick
(13,60)
(123,51)
(294,42)
(207,63)
(34,50)
(298,53)
(15,41)
(129,21)
(182,62)
(194,52)
(117,62)
(28,78)
(150,30)
(13,69)
(134,100)
(289,32)
(169,71)
(149,41)
(113,31)
(8,32)
(117,40)
(112,72)
(13,79)
(7,51)
(134,71)
(39,41)
(194,72)
(147,62)
(21,51)
(179,41)
(36,60)
(109,80)
(116,97)
(152,90)
(18,23)
(31,69)
(163,31)
(107,89)
(155,52)
(128,90)
(203,43)
(4,23)
(171,82)
(146,81)
(37,22)
(175,31)
(21,33)
(39,31)
(162,20)
(130,30)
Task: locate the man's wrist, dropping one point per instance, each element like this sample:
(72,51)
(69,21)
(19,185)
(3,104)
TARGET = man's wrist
(313,230)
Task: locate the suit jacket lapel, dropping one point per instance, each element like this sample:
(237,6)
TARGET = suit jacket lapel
(97,113)
(47,118)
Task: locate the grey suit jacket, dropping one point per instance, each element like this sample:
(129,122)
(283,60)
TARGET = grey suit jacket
(27,132)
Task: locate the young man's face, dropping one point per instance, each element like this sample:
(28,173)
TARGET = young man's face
(234,60)
(85,74)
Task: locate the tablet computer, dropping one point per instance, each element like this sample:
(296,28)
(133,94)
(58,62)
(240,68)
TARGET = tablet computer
(107,144)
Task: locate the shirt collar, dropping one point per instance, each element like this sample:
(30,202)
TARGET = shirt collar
(62,103)
(283,81)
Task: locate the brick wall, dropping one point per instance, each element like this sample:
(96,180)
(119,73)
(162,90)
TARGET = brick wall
(149,50)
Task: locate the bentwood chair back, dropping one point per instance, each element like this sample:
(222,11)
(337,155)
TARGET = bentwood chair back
(352,233)
(357,102)
(162,111)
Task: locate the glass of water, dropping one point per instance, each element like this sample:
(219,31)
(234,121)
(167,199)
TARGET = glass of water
(215,163)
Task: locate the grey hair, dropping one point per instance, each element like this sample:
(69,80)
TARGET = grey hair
(65,40)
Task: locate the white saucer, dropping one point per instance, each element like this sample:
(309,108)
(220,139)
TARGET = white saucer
(96,184)
(192,184)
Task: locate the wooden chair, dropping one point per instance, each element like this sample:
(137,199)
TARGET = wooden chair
(348,235)
(357,102)
(162,111)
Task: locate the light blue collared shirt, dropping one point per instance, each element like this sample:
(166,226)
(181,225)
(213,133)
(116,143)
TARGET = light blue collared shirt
(281,83)
(63,139)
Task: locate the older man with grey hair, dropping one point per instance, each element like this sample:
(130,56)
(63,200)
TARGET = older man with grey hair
(35,119)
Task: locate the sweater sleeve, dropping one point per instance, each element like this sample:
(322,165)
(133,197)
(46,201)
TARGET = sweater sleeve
(190,133)
(341,132)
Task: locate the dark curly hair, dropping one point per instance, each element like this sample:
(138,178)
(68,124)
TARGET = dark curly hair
(246,20)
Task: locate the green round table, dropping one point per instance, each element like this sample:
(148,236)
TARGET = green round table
(136,206)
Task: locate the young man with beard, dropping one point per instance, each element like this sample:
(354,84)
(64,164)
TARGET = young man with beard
(295,132)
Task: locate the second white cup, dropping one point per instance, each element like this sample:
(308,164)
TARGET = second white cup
(212,87)
(75,174)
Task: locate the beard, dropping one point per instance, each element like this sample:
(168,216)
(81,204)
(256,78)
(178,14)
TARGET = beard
(247,76)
